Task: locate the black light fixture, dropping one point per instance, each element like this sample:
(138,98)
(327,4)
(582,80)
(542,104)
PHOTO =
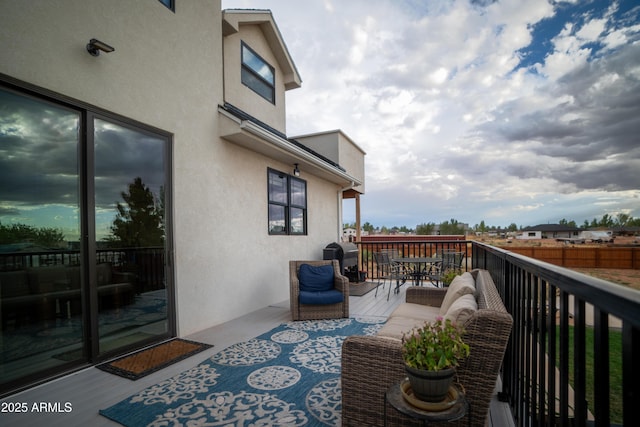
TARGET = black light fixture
(95,46)
(296,171)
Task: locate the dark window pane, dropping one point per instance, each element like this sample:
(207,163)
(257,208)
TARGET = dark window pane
(129,197)
(257,85)
(297,221)
(257,74)
(277,219)
(277,188)
(41,320)
(298,193)
(168,3)
(255,63)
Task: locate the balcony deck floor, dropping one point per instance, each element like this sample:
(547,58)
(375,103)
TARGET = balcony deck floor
(91,389)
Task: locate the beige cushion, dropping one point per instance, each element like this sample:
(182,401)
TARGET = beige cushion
(416,311)
(462,309)
(461,285)
(397,326)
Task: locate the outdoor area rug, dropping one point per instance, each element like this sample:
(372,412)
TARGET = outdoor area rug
(362,288)
(147,361)
(289,376)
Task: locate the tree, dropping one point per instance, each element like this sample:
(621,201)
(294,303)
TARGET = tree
(568,223)
(425,229)
(139,221)
(622,220)
(368,227)
(451,228)
(46,237)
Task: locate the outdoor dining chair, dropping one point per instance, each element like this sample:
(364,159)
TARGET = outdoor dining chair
(388,270)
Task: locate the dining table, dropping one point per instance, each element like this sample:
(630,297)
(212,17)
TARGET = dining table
(421,265)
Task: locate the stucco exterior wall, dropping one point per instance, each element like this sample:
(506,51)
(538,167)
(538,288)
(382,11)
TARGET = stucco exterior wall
(167,71)
(242,96)
(338,147)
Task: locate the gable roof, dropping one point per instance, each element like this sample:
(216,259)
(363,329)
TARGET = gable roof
(233,18)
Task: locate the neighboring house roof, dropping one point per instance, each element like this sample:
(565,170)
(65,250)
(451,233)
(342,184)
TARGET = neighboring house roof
(551,228)
(231,20)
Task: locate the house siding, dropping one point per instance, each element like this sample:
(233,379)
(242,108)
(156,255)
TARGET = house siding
(167,72)
(242,96)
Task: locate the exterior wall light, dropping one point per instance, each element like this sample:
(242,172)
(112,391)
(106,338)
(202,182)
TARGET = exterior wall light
(95,46)
(296,171)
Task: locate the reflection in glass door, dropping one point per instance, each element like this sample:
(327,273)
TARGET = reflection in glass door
(41,311)
(82,237)
(130,235)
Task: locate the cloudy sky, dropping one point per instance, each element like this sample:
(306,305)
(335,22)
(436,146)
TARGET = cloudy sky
(508,111)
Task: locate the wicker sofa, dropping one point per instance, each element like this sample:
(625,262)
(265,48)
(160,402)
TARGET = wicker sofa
(372,364)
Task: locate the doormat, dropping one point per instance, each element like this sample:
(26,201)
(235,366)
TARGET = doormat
(362,288)
(147,361)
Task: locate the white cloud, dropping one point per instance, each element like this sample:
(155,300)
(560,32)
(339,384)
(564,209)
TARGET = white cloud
(452,127)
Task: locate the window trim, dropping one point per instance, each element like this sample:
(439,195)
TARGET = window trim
(245,67)
(288,205)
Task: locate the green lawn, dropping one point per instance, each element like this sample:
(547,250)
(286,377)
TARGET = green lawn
(615,370)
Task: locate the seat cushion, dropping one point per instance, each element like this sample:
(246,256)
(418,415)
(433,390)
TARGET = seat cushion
(324,297)
(424,313)
(406,317)
(397,326)
(462,309)
(461,285)
(314,278)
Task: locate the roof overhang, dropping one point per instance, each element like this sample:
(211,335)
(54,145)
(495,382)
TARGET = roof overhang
(233,18)
(256,138)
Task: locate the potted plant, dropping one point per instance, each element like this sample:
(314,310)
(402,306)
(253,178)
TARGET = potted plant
(431,354)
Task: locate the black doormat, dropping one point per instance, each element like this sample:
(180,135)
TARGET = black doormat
(144,362)
(361,288)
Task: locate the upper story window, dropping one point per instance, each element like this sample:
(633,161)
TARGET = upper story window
(287,204)
(258,75)
(169,3)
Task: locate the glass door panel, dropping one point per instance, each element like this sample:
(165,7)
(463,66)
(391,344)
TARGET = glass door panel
(130,235)
(41,318)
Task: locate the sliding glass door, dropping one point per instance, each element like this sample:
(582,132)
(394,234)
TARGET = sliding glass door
(130,183)
(83,236)
(42,321)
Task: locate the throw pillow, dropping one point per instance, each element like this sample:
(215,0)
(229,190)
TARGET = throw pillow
(462,309)
(315,278)
(461,285)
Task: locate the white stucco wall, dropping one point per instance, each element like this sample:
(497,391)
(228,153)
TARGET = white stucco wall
(166,72)
(242,96)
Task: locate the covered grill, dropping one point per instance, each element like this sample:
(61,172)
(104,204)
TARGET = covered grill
(347,256)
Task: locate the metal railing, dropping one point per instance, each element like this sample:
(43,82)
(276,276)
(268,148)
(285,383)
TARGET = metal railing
(405,248)
(572,357)
(148,263)
(573,354)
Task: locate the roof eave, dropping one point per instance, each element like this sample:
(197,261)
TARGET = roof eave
(255,138)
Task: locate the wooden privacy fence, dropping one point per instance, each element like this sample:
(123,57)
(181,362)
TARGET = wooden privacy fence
(589,257)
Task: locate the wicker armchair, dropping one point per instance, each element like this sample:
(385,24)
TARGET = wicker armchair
(371,364)
(318,311)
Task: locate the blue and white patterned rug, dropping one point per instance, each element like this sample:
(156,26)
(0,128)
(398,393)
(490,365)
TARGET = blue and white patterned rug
(289,376)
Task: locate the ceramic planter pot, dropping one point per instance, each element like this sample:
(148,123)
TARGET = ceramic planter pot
(430,386)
